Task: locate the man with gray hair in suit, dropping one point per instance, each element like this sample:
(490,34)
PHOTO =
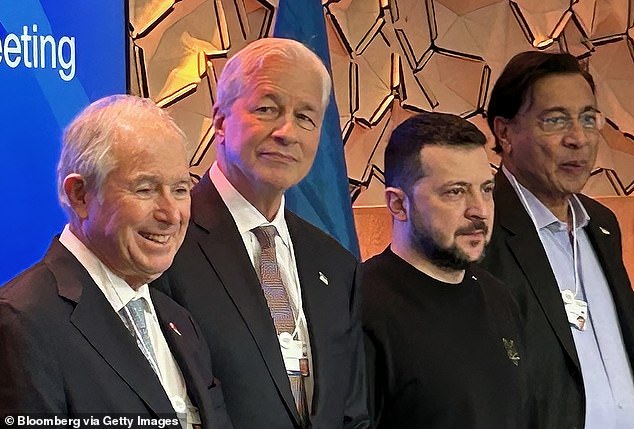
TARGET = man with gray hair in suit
(276,297)
(81,333)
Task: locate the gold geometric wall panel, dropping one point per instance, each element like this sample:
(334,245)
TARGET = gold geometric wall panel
(390,59)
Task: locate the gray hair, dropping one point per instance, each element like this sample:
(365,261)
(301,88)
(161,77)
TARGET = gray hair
(87,141)
(249,60)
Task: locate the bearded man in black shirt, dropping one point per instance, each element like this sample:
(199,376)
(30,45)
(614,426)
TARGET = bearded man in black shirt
(442,335)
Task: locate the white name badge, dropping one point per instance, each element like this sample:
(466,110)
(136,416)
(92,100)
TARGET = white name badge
(577,313)
(292,365)
(293,353)
(188,415)
(297,366)
(291,347)
(193,416)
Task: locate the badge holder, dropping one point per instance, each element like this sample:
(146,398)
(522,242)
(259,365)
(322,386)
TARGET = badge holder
(295,359)
(576,309)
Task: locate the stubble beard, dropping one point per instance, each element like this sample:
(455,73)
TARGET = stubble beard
(450,258)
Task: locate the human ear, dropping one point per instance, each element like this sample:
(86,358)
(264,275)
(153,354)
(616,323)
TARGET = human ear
(218,122)
(76,192)
(396,201)
(501,129)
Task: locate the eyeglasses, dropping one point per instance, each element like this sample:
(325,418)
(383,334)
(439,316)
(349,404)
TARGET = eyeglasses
(559,122)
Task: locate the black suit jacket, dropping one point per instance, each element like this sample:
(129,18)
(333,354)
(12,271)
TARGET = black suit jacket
(517,257)
(64,350)
(212,276)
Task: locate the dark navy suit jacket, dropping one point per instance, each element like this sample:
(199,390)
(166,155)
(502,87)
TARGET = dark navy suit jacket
(64,350)
(213,277)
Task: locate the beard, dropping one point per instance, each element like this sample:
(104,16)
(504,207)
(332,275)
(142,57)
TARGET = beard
(450,257)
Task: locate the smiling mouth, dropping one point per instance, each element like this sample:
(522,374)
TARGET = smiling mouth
(156,238)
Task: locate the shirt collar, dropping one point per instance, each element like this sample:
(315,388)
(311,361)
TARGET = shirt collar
(245,215)
(116,290)
(544,218)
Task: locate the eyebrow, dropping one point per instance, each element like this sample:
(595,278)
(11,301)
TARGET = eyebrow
(566,111)
(467,184)
(308,106)
(303,106)
(145,178)
(154,178)
(456,183)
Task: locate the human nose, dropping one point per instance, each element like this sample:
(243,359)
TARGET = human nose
(286,129)
(479,205)
(167,209)
(576,135)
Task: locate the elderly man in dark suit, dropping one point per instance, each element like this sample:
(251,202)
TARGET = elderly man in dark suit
(275,297)
(560,251)
(80,332)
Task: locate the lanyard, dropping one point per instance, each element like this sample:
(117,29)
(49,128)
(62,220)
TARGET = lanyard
(574,243)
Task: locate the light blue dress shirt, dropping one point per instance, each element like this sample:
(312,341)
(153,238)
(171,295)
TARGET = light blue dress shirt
(607,376)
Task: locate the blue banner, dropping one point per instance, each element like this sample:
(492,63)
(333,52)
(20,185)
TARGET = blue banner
(56,56)
(322,198)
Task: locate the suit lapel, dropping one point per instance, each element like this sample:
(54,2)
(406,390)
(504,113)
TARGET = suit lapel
(526,247)
(603,247)
(197,379)
(224,249)
(94,317)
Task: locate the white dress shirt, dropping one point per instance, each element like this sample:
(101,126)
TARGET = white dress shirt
(119,293)
(247,217)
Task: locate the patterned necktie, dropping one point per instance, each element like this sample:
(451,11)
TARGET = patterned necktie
(279,304)
(135,317)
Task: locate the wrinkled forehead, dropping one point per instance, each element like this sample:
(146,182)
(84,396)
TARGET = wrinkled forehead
(147,140)
(287,74)
(279,80)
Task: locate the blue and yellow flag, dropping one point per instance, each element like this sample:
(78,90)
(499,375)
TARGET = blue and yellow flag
(322,198)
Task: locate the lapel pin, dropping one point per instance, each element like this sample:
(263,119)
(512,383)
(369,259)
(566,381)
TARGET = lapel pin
(323,278)
(175,329)
(511,351)
(603,230)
